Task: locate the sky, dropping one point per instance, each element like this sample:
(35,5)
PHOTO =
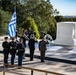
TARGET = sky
(65,7)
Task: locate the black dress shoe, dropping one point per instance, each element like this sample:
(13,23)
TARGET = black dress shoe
(31,60)
(42,61)
(18,68)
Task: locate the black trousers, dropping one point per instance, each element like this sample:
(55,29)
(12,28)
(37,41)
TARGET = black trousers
(42,56)
(31,54)
(5,57)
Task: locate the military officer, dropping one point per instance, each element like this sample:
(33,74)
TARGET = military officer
(42,48)
(20,53)
(13,49)
(6,49)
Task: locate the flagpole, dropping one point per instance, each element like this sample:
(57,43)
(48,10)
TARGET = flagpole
(16,19)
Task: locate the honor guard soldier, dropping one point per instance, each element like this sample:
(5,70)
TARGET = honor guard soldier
(6,49)
(13,48)
(20,53)
(23,37)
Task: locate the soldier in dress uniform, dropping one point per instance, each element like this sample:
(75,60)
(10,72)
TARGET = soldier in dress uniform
(6,49)
(42,49)
(13,49)
(23,37)
(20,53)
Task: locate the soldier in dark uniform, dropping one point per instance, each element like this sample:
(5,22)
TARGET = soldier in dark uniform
(31,45)
(20,53)
(6,49)
(24,39)
(13,48)
(42,48)
(24,42)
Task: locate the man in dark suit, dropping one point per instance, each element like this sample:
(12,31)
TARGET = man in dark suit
(31,45)
(42,49)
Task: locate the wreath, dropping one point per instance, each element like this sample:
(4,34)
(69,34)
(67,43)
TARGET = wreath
(48,38)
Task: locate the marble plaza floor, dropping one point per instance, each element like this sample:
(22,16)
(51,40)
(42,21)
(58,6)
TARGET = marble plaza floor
(58,67)
(53,51)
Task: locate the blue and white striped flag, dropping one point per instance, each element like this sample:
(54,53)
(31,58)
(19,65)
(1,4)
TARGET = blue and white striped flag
(12,26)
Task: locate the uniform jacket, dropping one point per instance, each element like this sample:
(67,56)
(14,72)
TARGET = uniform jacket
(21,49)
(42,45)
(24,40)
(13,47)
(31,44)
(6,47)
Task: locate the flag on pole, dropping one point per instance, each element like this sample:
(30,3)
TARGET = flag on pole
(12,25)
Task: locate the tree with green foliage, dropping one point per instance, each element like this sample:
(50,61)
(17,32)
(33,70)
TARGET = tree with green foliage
(65,18)
(40,10)
(59,18)
(4,21)
(31,24)
(8,5)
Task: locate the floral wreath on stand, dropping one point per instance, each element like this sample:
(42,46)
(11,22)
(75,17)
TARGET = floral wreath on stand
(48,38)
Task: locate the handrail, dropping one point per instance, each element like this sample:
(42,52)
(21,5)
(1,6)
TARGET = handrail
(32,69)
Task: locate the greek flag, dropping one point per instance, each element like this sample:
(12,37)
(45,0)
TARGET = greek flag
(12,26)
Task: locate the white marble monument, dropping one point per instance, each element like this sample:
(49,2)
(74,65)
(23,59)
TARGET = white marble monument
(66,33)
